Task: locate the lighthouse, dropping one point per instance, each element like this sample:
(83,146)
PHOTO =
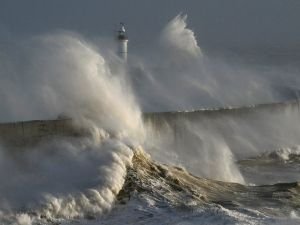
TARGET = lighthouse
(122,42)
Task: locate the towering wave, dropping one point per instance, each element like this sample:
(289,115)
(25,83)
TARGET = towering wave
(178,38)
(67,179)
(176,74)
(209,146)
(63,74)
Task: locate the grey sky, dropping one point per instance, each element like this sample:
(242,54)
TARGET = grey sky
(217,23)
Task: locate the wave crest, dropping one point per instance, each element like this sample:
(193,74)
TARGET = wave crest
(176,36)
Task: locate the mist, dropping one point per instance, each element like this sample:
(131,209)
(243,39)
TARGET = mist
(183,77)
(65,73)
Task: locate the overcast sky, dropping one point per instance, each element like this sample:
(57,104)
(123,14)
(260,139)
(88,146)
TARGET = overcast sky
(217,23)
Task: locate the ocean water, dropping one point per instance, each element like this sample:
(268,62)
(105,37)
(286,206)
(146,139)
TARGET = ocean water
(180,138)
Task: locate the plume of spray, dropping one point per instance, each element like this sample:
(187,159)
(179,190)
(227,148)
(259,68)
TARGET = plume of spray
(194,146)
(179,39)
(184,78)
(63,73)
(174,83)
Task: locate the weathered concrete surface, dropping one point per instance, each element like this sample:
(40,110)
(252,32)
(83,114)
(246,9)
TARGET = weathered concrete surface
(30,132)
(211,114)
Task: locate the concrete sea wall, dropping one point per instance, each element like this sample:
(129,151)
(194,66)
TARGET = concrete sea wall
(30,132)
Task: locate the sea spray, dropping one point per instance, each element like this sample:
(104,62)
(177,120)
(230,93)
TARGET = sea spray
(178,38)
(64,74)
(213,142)
(64,179)
(179,74)
(67,178)
(193,145)
(95,200)
(177,140)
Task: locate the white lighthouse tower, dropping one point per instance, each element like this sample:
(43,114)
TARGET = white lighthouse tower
(122,42)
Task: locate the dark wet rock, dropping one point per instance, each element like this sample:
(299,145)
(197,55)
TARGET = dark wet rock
(179,188)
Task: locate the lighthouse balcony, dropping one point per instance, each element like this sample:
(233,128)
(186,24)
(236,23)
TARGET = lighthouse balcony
(122,37)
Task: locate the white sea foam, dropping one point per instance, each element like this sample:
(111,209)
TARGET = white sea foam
(284,153)
(67,180)
(178,38)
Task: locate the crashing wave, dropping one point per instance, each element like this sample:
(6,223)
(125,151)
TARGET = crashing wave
(281,155)
(284,154)
(177,187)
(160,188)
(178,37)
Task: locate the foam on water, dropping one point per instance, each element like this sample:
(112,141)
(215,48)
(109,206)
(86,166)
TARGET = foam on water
(87,180)
(66,178)
(284,154)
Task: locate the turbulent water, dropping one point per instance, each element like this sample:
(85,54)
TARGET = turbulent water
(149,158)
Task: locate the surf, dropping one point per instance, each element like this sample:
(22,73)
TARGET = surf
(170,137)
